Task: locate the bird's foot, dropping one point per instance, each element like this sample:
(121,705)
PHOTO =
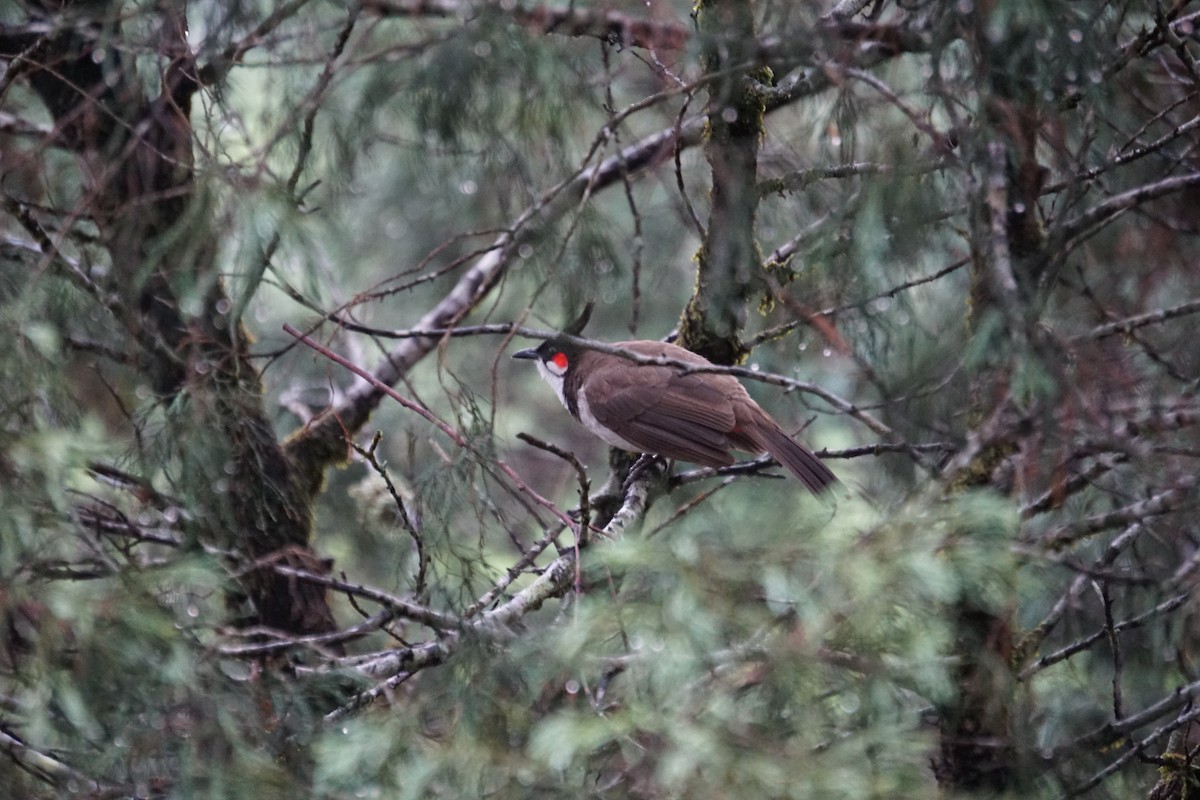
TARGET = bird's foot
(644,463)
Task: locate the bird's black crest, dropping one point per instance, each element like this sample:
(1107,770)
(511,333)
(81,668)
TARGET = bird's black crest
(576,327)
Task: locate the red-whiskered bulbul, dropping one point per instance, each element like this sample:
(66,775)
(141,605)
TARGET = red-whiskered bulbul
(667,411)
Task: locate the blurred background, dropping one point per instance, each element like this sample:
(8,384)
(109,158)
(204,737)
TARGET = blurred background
(956,242)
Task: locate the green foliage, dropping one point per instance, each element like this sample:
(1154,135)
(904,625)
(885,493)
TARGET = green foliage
(354,167)
(703,660)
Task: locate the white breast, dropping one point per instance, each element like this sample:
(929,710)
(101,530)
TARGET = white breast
(585,412)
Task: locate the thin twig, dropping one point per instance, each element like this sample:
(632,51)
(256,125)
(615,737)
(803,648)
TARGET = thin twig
(585,511)
(368,455)
(1124,326)
(438,620)
(1114,643)
(1165,607)
(441,425)
(47,768)
(1135,749)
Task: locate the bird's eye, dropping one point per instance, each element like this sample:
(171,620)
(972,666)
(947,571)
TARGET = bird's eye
(559,360)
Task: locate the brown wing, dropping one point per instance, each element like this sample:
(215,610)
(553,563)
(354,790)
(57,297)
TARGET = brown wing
(699,417)
(659,410)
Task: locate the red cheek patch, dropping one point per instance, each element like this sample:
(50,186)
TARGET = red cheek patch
(560,360)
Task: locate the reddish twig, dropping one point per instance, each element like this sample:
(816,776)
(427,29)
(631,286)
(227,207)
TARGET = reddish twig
(441,425)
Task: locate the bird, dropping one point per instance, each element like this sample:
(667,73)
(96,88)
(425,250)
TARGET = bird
(667,410)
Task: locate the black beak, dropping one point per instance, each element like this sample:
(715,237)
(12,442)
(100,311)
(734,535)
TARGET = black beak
(530,353)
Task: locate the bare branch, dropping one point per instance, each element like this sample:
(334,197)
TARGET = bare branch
(397,605)
(478,281)
(1162,503)
(46,767)
(1093,220)
(1140,320)
(607,25)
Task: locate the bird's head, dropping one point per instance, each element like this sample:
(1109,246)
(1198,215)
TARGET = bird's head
(554,358)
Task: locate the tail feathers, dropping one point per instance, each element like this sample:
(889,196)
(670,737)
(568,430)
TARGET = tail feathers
(798,459)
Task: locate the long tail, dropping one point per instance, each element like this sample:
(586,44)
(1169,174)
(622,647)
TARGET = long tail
(798,459)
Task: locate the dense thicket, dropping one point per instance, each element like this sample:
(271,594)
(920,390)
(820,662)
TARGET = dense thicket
(954,243)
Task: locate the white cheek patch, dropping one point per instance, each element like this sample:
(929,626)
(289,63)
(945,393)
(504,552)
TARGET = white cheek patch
(554,378)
